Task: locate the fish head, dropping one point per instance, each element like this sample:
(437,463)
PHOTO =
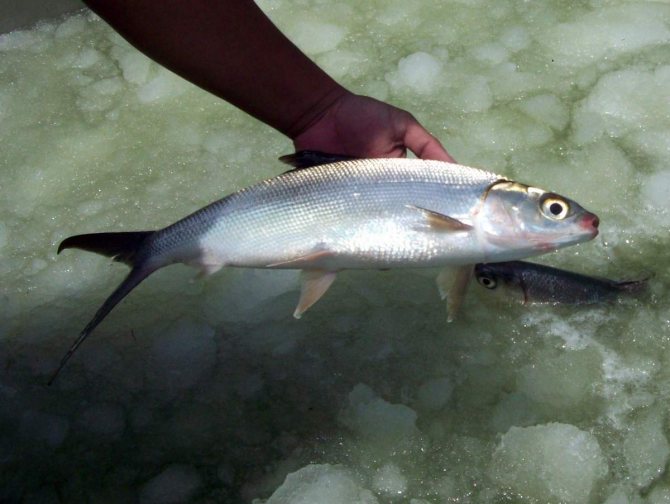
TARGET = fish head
(517,221)
(501,279)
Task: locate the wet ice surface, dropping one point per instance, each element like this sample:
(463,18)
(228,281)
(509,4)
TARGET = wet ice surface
(210,391)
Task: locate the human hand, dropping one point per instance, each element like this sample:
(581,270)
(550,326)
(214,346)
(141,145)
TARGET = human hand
(363,127)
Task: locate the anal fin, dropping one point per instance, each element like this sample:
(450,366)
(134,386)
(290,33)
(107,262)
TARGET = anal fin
(453,285)
(314,284)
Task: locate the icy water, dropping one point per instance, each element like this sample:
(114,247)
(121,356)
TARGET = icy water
(209,391)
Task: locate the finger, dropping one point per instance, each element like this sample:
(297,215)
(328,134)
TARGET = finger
(424,145)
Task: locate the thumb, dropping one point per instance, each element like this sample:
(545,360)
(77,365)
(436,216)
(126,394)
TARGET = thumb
(424,145)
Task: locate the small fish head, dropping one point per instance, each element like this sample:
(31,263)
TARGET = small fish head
(519,221)
(501,279)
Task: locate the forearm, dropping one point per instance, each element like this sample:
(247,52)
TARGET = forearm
(230,48)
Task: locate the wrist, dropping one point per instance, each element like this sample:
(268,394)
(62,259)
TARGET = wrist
(316,108)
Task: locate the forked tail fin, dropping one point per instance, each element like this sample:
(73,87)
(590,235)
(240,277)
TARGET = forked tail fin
(633,287)
(122,247)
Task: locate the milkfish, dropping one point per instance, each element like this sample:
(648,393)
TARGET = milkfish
(352,214)
(532,283)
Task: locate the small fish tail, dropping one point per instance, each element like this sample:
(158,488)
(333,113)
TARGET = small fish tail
(633,287)
(136,275)
(122,247)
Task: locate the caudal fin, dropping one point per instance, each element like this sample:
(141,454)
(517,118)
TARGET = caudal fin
(122,247)
(633,287)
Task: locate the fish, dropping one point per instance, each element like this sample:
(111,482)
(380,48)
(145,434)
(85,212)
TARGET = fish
(533,283)
(330,213)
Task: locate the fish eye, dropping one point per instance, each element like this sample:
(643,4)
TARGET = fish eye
(555,208)
(488,282)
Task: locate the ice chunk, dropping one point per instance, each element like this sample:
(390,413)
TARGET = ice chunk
(20,39)
(341,63)
(100,95)
(549,462)
(606,33)
(377,420)
(515,38)
(399,14)
(164,86)
(563,382)
(177,483)
(434,394)
(135,66)
(602,160)
(623,101)
(71,26)
(322,483)
(654,193)
(653,142)
(420,72)
(315,37)
(547,109)
(389,480)
(505,132)
(491,54)
(659,495)
(180,355)
(87,58)
(646,449)
(476,96)
(622,497)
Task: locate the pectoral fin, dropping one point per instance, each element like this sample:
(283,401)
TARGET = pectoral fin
(314,284)
(453,284)
(440,222)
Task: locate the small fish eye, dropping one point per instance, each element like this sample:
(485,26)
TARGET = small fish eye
(555,208)
(488,282)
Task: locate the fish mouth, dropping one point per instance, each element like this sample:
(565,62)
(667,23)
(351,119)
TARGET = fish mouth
(590,223)
(587,224)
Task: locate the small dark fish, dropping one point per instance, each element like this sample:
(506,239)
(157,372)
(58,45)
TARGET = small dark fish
(534,284)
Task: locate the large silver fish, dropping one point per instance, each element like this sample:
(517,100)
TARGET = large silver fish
(531,283)
(367,213)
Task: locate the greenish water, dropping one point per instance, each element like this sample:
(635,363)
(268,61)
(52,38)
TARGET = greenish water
(209,391)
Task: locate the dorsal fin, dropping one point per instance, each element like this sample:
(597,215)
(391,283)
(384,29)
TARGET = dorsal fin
(308,158)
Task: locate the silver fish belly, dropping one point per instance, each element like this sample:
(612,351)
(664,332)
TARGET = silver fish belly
(369,213)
